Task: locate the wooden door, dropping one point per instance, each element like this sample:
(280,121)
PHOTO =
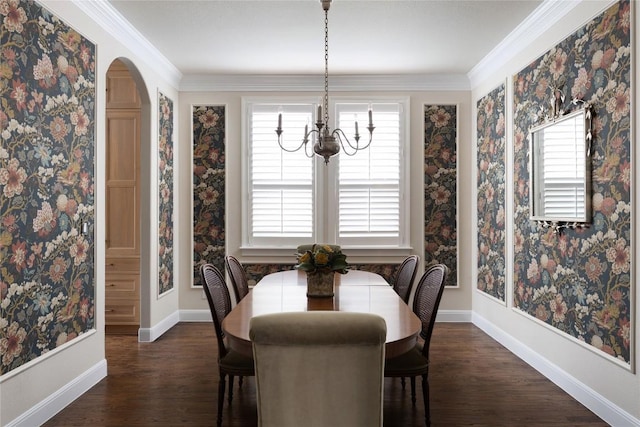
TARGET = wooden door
(122,272)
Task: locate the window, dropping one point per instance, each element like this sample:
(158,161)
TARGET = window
(353,201)
(281,191)
(560,160)
(368,183)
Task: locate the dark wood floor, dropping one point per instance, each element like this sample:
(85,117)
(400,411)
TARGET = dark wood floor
(173,381)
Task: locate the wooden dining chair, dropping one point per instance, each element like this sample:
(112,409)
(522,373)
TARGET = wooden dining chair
(230,362)
(319,368)
(416,362)
(238,277)
(403,283)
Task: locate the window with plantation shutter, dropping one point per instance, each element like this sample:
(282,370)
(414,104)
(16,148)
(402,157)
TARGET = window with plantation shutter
(281,190)
(560,156)
(369,197)
(353,201)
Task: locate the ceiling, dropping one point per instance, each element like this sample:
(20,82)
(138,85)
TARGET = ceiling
(236,37)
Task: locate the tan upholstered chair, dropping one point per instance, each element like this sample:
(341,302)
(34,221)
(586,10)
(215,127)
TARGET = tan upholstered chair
(416,362)
(230,363)
(237,276)
(319,369)
(403,283)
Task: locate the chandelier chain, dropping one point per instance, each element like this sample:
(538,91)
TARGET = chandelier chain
(326,68)
(328,143)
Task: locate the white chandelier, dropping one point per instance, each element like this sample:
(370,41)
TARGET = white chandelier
(329,142)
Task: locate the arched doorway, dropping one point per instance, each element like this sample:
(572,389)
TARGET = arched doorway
(126,212)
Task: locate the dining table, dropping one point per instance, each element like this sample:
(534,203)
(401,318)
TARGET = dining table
(356,291)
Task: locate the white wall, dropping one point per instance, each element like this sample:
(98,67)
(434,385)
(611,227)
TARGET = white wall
(43,386)
(608,388)
(454,299)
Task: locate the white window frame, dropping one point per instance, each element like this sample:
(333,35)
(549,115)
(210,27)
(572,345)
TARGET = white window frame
(325,183)
(333,187)
(249,241)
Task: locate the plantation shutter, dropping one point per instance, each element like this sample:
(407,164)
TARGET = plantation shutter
(369,182)
(562,153)
(280,183)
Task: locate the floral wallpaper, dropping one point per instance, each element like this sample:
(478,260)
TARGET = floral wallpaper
(165,185)
(47,134)
(440,188)
(491,190)
(579,281)
(208,188)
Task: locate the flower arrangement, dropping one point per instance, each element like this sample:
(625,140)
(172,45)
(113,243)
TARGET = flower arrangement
(321,258)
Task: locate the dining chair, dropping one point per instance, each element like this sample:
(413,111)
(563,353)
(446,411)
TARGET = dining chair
(230,362)
(405,277)
(416,362)
(318,368)
(238,277)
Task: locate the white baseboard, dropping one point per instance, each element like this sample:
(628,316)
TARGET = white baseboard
(454,316)
(152,334)
(47,408)
(195,316)
(602,407)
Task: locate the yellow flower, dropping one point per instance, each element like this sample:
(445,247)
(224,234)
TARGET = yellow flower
(306,257)
(327,248)
(322,258)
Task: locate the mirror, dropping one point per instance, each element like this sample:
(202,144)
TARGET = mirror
(560,165)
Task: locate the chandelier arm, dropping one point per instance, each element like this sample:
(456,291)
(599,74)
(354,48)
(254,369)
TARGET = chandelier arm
(304,142)
(309,153)
(339,133)
(326,145)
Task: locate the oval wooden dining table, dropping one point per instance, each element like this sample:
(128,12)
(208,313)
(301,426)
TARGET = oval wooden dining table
(356,291)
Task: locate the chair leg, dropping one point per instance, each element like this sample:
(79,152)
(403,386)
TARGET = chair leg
(240,381)
(425,397)
(231,377)
(413,391)
(403,382)
(221,387)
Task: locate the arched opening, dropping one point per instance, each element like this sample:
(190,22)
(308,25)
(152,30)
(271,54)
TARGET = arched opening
(127,213)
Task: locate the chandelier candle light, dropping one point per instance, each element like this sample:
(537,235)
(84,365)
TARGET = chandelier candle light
(329,142)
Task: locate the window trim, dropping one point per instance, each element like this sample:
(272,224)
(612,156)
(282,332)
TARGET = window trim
(324,185)
(405,183)
(247,108)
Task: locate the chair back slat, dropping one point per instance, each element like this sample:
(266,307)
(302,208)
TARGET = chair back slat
(215,288)
(405,277)
(427,299)
(238,277)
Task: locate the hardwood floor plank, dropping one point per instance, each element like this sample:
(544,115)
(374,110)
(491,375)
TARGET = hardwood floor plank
(474,381)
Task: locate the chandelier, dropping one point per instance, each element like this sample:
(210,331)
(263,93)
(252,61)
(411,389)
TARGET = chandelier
(328,142)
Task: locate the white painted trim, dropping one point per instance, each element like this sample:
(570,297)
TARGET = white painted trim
(155,332)
(602,407)
(313,83)
(545,16)
(47,408)
(195,316)
(454,316)
(105,15)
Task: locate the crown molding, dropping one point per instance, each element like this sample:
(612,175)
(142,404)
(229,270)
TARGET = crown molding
(545,16)
(540,21)
(337,83)
(118,27)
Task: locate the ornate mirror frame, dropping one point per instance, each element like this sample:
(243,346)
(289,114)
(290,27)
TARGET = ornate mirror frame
(560,169)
